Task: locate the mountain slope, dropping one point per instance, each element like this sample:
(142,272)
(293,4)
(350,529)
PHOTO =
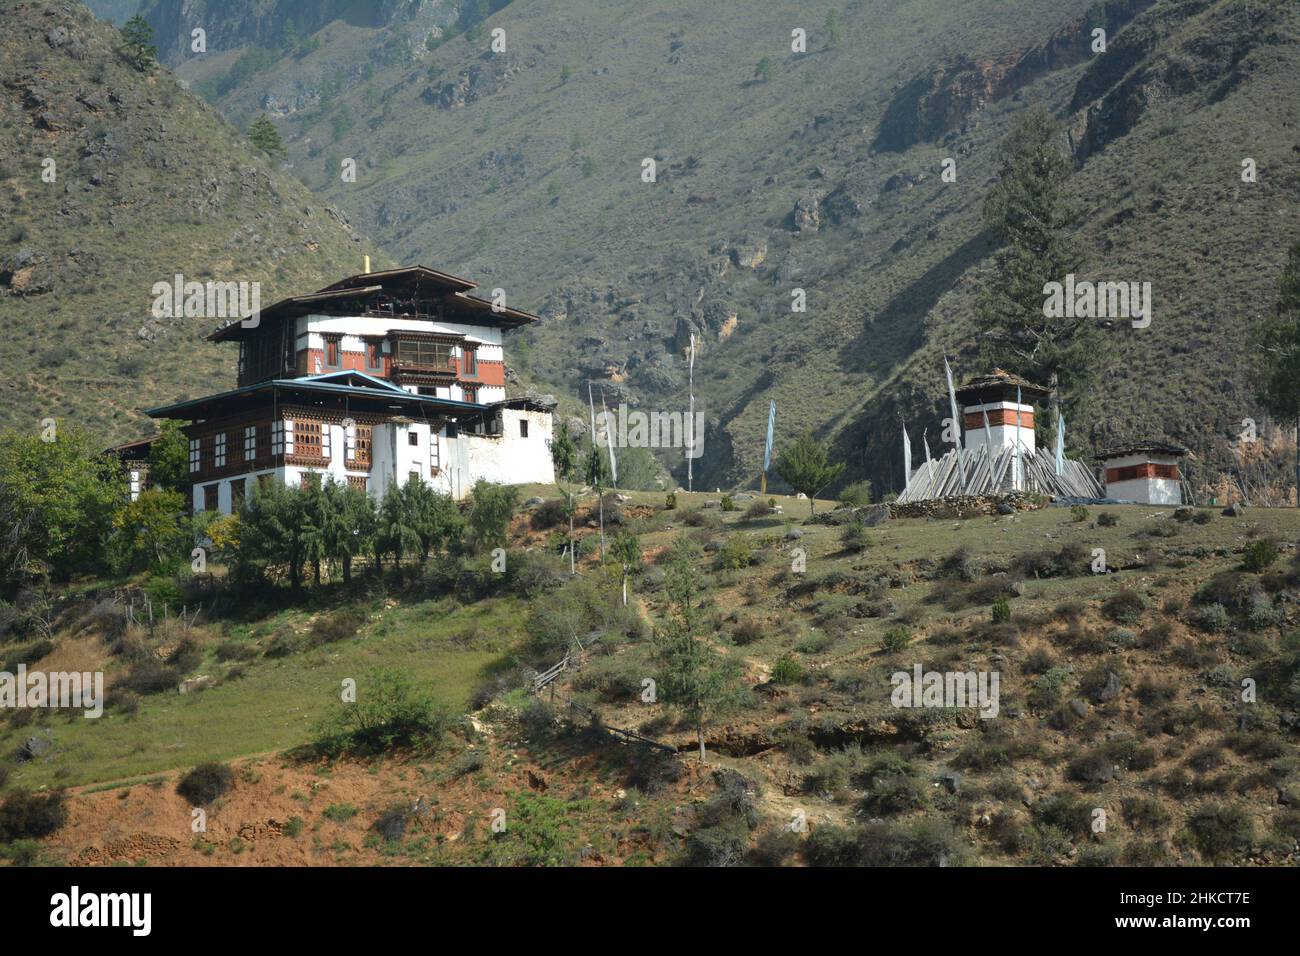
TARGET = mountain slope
(819,172)
(148,182)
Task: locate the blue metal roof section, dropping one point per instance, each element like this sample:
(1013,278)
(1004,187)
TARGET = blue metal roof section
(314,383)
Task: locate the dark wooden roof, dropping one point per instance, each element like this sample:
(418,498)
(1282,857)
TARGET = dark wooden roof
(999,379)
(427,289)
(1141,447)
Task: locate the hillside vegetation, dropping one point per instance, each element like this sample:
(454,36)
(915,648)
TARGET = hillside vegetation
(819,171)
(1162,693)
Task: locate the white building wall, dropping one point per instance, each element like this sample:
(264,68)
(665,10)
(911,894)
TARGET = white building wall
(1003,436)
(1147,491)
(365,325)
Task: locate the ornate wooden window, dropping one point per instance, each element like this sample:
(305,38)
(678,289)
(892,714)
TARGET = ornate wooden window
(358,452)
(424,353)
(219,450)
(210,497)
(250,442)
(374,355)
(523,428)
(413,438)
(333,344)
(469,362)
(307,439)
(196,459)
(359,482)
(469,393)
(434,457)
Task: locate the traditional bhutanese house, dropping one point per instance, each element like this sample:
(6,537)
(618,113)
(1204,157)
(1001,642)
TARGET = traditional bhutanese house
(376,380)
(1144,471)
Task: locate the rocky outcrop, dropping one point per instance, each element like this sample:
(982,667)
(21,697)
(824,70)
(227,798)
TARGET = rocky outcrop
(1116,90)
(949,96)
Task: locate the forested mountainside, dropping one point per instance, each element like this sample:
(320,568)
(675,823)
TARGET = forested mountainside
(777,171)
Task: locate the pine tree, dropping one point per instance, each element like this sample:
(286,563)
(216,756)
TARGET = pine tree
(694,678)
(137,44)
(596,471)
(804,467)
(266,137)
(832,29)
(627,551)
(1277,339)
(1028,211)
(564,456)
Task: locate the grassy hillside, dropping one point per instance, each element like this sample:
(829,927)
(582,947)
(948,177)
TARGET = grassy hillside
(1123,691)
(823,173)
(148,182)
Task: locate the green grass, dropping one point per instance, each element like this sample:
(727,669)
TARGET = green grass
(275,705)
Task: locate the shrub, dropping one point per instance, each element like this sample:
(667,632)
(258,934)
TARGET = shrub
(1203,517)
(186,656)
(670,501)
(283,642)
(758,509)
(1124,607)
(25,815)
(339,812)
(831,845)
(1260,555)
(895,639)
(728,504)
(1078,513)
(1049,687)
(150,676)
(1001,610)
(389,712)
(736,554)
(339,626)
(206,782)
(235,651)
(1107,519)
(1213,618)
(391,824)
(960,565)
(1220,829)
(856,495)
(855,536)
(787,670)
(550,513)
(722,845)
(747,631)
(1263,613)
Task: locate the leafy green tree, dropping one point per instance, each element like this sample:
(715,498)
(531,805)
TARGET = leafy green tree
(694,678)
(627,552)
(137,44)
(56,504)
(564,456)
(169,458)
(276,530)
(765,70)
(434,516)
(491,508)
(1028,211)
(311,503)
(396,533)
(804,466)
(266,137)
(150,532)
(1277,339)
(596,472)
(349,526)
